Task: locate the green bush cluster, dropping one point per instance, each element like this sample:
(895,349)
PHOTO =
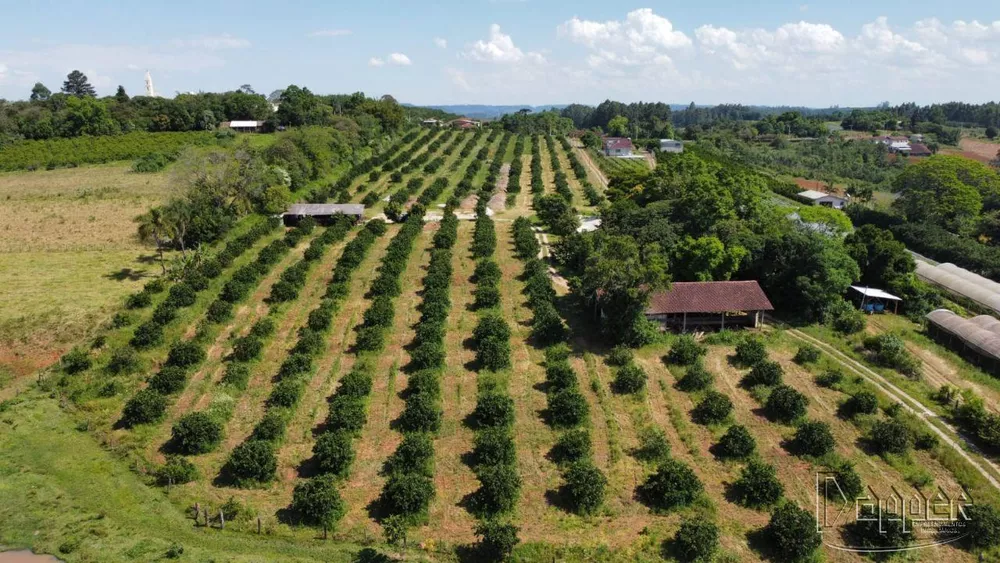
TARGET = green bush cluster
(686,351)
(630,378)
(74,151)
(889,350)
(757,485)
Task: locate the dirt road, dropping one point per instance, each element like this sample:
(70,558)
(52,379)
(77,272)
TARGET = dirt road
(909,403)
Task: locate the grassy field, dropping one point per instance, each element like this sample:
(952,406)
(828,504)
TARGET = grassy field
(68,255)
(84,499)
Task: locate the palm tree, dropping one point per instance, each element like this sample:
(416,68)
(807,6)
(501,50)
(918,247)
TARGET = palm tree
(154,228)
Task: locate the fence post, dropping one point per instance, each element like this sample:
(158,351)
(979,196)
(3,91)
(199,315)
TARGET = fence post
(197,512)
(222,519)
(258,525)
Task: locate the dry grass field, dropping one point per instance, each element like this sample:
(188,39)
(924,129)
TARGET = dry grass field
(68,255)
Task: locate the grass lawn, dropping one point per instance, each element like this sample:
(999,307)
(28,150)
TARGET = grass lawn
(68,255)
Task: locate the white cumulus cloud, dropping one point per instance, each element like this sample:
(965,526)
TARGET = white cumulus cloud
(441,42)
(643,37)
(397,59)
(500,48)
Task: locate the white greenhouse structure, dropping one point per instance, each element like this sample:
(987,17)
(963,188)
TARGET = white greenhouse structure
(962,283)
(977,339)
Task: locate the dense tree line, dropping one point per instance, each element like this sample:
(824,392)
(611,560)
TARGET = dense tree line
(641,119)
(543,123)
(77,111)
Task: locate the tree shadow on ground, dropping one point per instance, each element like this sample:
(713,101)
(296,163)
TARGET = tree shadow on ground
(126,274)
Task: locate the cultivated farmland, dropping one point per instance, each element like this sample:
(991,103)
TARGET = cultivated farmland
(422,385)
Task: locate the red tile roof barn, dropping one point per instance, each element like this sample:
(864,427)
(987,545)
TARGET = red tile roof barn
(919,149)
(612,143)
(709,297)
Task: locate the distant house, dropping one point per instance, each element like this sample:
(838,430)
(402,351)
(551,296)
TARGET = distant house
(919,149)
(896,144)
(431,122)
(465,123)
(819,198)
(916,138)
(670,145)
(617,146)
(323,213)
(700,305)
(243,126)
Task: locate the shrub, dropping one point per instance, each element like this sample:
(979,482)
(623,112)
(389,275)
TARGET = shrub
(696,378)
(925,441)
(346,413)
(556,353)
(295,364)
(247,348)
(181,295)
(829,378)
(153,162)
(169,380)
(813,438)
(673,485)
(847,483)
(736,443)
(785,404)
(263,328)
(219,311)
(585,487)
(862,402)
(407,494)
(547,326)
(653,445)
(686,351)
(499,488)
(415,454)
(176,471)
(497,540)
(764,372)
(560,375)
(494,409)
(751,351)
(334,452)
(185,354)
(155,286)
(492,337)
(494,446)
(147,335)
(983,526)
(196,280)
(630,379)
(889,350)
(792,533)
(880,529)
(144,407)
(567,408)
(271,427)
(252,462)
(370,338)
(758,485)
(195,433)
(139,300)
(237,374)
(806,354)
(421,414)
(620,356)
(714,408)
(357,383)
(890,436)
(844,318)
(121,319)
(486,296)
(123,360)
(75,361)
(285,393)
(572,445)
(696,540)
(318,502)
(163,314)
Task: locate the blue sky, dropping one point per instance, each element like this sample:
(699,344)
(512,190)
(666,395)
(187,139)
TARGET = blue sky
(518,51)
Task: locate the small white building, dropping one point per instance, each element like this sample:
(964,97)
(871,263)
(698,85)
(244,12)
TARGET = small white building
(247,126)
(670,145)
(826,200)
(618,146)
(431,122)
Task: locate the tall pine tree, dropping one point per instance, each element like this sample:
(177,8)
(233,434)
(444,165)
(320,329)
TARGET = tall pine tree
(76,84)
